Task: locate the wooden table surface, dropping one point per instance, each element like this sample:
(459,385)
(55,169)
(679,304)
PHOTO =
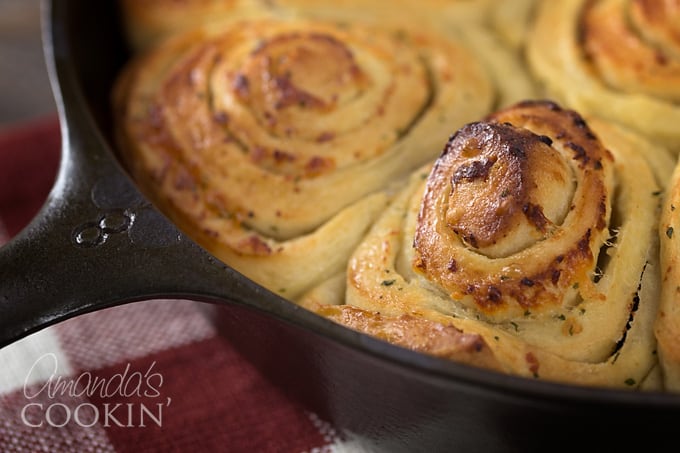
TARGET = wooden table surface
(24,86)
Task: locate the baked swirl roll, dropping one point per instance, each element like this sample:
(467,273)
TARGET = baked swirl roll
(272,142)
(619,59)
(532,239)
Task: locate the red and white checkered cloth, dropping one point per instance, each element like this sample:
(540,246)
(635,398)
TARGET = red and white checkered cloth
(153,376)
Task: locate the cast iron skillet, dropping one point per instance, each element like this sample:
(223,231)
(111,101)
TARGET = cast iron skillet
(97,243)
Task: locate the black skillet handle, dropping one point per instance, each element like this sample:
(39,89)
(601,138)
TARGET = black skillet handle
(97,242)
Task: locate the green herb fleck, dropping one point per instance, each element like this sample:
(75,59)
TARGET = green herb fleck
(388,282)
(630,381)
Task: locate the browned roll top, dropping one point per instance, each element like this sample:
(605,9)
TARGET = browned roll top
(497,170)
(292,76)
(503,187)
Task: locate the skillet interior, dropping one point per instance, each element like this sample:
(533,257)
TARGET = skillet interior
(399,399)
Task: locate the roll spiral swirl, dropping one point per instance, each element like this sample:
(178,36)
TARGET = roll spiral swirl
(271,142)
(534,233)
(615,58)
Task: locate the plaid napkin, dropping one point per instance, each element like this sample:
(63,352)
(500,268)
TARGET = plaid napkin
(152,376)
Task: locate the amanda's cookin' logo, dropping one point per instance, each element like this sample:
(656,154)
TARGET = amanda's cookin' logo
(45,404)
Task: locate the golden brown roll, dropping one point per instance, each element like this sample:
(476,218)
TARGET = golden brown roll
(618,59)
(272,142)
(667,326)
(532,239)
